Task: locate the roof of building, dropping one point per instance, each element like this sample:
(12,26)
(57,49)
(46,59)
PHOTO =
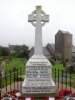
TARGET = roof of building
(13,47)
(51,48)
(73,49)
(64,32)
(73,54)
(46,51)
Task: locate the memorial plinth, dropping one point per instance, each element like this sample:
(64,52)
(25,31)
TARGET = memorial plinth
(38,76)
(38,79)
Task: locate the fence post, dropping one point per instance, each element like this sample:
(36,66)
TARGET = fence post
(66,78)
(10,80)
(6,80)
(14,78)
(20,77)
(70,77)
(58,78)
(62,79)
(55,75)
(0,84)
(17,79)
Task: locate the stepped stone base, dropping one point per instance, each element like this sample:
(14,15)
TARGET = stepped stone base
(38,78)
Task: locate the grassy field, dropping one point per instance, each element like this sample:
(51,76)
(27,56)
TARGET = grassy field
(16,63)
(21,63)
(57,65)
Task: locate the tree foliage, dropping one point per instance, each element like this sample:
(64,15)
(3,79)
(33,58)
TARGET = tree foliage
(4,51)
(18,51)
(21,51)
(71,69)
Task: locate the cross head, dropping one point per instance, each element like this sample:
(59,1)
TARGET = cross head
(38,17)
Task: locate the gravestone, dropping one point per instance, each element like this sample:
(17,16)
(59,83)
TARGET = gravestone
(2,68)
(38,79)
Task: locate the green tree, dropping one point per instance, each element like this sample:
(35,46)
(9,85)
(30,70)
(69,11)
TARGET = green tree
(5,51)
(71,69)
(21,51)
(24,51)
(17,48)
(0,51)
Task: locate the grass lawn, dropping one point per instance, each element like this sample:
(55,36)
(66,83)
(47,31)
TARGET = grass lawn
(16,63)
(58,65)
(21,63)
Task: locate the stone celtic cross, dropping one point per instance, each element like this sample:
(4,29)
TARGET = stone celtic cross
(38,18)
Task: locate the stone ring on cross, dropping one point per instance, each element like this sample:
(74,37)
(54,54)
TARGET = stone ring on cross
(38,17)
(42,22)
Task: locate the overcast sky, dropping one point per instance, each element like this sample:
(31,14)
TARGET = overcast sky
(15,28)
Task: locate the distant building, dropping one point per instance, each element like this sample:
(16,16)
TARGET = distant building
(48,51)
(63,45)
(14,48)
(62,48)
(51,49)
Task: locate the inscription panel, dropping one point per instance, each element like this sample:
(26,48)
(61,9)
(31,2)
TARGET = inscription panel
(39,89)
(38,72)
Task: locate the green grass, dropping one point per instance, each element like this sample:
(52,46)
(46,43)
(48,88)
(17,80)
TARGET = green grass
(58,65)
(1,58)
(16,63)
(21,63)
(6,81)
